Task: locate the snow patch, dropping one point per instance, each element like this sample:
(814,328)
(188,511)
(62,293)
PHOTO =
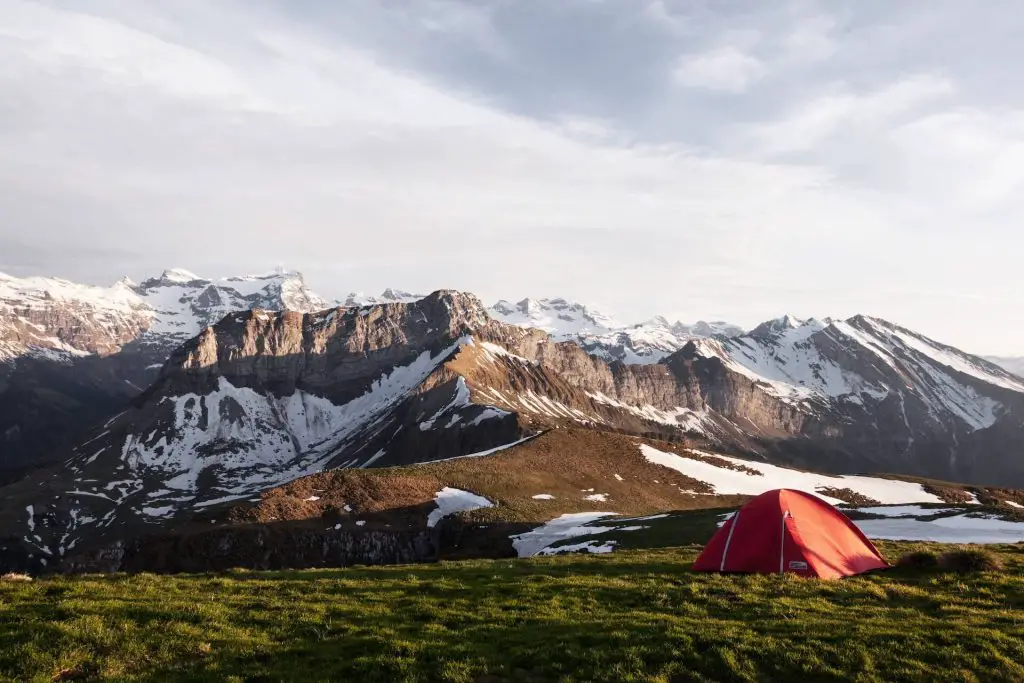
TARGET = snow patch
(450,500)
(587,546)
(543,496)
(481,454)
(905,511)
(957,529)
(726,481)
(566,526)
(684,418)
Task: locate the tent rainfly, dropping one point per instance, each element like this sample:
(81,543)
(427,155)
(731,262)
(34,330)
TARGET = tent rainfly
(790,531)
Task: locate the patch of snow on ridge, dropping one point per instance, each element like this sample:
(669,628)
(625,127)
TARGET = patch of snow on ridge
(950,358)
(685,418)
(1013,504)
(489,413)
(956,529)
(543,496)
(450,501)
(461,399)
(588,546)
(532,542)
(492,352)
(904,511)
(481,454)
(726,481)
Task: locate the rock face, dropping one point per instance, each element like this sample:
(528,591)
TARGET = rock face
(71,355)
(259,547)
(262,398)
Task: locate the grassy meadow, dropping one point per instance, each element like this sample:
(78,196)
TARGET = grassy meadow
(633,615)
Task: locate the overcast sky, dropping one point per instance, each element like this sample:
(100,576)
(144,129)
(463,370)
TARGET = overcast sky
(728,159)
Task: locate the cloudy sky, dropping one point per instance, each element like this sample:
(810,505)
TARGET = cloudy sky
(729,159)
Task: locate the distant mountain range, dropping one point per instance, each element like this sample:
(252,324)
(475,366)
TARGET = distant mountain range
(642,343)
(1014,365)
(150,406)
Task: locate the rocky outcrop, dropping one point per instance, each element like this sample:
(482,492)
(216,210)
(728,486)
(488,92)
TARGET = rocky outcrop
(331,351)
(258,546)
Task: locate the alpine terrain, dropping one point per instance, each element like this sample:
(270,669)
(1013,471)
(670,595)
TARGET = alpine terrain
(72,354)
(354,432)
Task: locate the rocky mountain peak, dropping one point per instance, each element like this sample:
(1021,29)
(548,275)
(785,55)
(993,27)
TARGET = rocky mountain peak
(389,295)
(557,316)
(701,328)
(179,276)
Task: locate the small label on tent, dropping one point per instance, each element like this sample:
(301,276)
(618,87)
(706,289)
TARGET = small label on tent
(797,564)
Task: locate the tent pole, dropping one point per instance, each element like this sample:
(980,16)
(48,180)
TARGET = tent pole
(782,544)
(728,539)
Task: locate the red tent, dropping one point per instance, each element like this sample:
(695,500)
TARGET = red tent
(790,531)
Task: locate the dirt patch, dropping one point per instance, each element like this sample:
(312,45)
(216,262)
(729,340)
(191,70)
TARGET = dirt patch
(949,494)
(1003,498)
(718,462)
(847,496)
(404,497)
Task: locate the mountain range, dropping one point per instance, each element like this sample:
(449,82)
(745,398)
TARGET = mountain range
(1012,364)
(180,401)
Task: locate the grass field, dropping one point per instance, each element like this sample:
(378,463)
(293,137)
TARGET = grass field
(629,616)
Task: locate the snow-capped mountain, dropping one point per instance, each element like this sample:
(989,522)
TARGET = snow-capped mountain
(51,316)
(389,296)
(71,353)
(182,303)
(262,398)
(1012,364)
(824,365)
(560,318)
(601,335)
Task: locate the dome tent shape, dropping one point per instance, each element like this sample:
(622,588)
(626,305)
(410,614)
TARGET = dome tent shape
(787,531)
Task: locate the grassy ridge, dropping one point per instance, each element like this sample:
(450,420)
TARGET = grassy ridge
(629,616)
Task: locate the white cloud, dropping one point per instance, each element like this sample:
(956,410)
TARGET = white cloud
(724,68)
(971,158)
(375,146)
(811,39)
(839,112)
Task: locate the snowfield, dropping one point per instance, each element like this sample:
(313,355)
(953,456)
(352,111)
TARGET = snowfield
(732,482)
(450,501)
(954,529)
(532,542)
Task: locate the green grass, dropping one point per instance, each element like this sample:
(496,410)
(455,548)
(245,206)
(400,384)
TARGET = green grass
(628,616)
